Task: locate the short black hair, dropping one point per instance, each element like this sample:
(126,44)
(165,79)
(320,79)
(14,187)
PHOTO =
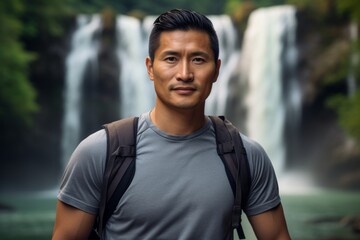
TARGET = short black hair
(182,19)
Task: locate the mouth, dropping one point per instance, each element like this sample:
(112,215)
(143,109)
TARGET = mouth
(184,90)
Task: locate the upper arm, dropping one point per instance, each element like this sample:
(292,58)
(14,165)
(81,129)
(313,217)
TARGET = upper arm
(72,223)
(264,190)
(270,224)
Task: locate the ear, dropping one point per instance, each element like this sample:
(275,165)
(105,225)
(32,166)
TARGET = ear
(149,67)
(217,70)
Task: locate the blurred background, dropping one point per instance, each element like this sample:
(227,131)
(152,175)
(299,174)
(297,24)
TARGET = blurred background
(289,79)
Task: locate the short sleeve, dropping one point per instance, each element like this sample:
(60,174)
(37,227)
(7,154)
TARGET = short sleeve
(264,190)
(81,183)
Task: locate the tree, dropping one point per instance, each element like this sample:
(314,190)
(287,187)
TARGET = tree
(348,111)
(347,107)
(17,96)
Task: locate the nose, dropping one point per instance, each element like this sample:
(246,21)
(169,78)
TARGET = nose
(185,73)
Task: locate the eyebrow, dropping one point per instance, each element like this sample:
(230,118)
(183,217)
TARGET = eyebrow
(170,52)
(200,53)
(196,53)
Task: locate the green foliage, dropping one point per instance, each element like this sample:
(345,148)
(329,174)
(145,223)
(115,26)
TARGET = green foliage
(319,10)
(159,6)
(329,10)
(328,16)
(234,5)
(267,3)
(339,70)
(349,113)
(17,96)
(153,7)
(347,108)
(23,23)
(305,3)
(44,16)
(349,6)
(240,12)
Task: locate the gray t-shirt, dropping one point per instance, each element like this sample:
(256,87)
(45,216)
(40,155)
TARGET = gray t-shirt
(180,189)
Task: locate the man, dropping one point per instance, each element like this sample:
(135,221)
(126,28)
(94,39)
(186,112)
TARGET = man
(180,189)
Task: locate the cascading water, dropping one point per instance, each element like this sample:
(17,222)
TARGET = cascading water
(136,90)
(269,43)
(83,56)
(229,55)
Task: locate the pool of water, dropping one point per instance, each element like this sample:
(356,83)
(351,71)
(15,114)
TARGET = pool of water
(320,215)
(24,216)
(309,216)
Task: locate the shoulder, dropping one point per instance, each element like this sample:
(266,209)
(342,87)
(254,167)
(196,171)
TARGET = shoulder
(250,144)
(259,161)
(82,179)
(253,149)
(94,139)
(93,145)
(89,155)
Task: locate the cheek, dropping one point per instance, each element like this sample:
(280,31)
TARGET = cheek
(160,83)
(162,74)
(208,90)
(208,84)
(209,80)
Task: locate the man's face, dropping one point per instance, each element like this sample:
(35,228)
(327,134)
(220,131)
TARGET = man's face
(183,69)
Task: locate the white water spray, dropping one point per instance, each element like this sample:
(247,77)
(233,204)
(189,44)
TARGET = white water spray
(136,89)
(229,55)
(83,55)
(263,53)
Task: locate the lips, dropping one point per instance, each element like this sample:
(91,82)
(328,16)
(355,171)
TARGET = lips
(183,90)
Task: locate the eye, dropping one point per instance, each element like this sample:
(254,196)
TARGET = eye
(170,59)
(198,60)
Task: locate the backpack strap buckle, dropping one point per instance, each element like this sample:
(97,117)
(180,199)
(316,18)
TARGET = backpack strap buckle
(224,148)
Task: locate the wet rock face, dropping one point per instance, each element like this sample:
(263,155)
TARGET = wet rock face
(324,47)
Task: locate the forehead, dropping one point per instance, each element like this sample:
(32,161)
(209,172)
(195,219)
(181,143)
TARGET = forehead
(184,39)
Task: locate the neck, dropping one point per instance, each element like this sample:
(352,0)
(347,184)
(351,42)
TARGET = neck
(177,122)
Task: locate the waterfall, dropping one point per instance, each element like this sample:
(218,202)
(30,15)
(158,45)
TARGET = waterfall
(82,57)
(269,43)
(229,55)
(137,94)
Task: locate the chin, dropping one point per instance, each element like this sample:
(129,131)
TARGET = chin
(188,106)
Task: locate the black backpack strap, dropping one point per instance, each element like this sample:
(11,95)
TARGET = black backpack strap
(119,168)
(231,150)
